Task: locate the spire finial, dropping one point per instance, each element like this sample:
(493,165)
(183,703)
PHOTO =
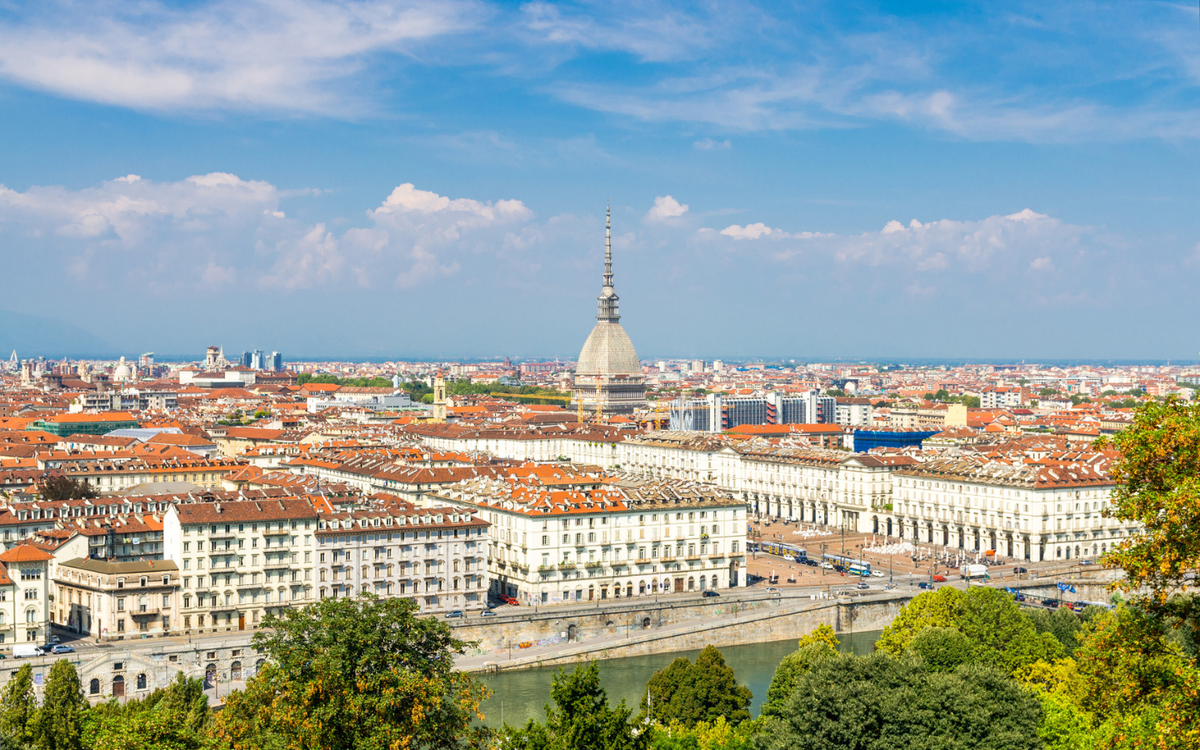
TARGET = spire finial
(608,246)
(608,310)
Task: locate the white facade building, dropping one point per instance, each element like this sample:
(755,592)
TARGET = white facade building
(591,538)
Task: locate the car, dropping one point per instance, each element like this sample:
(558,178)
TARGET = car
(827,566)
(62,648)
(811,563)
(709,592)
(863,585)
(488,613)
(877,574)
(1051,603)
(1020,571)
(939,578)
(1020,597)
(925,585)
(772,590)
(455,613)
(510,600)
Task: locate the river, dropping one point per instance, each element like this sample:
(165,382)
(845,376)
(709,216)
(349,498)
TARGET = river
(520,695)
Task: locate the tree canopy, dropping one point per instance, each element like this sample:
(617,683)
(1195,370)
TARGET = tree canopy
(355,674)
(878,701)
(687,693)
(1158,487)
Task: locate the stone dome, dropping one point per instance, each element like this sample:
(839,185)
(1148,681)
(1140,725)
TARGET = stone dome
(608,351)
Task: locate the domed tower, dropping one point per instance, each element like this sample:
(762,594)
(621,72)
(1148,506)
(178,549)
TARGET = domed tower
(608,376)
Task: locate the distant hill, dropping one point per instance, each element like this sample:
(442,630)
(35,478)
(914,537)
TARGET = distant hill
(33,336)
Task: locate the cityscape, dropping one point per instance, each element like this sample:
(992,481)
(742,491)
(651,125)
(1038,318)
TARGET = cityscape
(310,437)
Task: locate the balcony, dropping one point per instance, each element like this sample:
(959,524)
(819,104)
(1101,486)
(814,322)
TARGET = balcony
(566,566)
(592,564)
(144,611)
(277,532)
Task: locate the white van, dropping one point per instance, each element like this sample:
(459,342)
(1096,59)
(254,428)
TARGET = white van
(25,650)
(974,571)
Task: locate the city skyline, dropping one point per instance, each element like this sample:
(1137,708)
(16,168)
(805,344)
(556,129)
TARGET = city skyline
(861,182)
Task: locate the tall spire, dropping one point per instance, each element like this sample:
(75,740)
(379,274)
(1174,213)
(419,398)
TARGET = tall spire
(607,308)
(608,246)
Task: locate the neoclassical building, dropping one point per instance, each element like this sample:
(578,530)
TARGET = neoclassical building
(608,376)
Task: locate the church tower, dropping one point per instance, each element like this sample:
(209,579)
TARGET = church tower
(608,377)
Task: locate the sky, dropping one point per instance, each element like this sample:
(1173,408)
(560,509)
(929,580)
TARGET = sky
(429,179)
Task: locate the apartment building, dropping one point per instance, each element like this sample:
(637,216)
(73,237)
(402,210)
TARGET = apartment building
(936,417)
(435,556)
(239,560)
(114,476)
(595,537)
(588,444)
(1002,397)
(24,595)
(111,600)
(1051,510)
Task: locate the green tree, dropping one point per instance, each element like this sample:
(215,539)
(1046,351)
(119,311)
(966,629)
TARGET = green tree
(789,671)
(823,634)
(932,609)
(59,722)
(1158,486)
(687,693)
(942,649)
(354,673)
(18,709)
(175,717)
(875,702)
(1062,623)
(580,718)
(59,488)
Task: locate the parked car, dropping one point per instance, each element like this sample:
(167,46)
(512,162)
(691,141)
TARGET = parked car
(811,562)
(709,592)
(939,578)
(827,566)
(510,600)
(454,613)
(61,648)
(1051,603)
(488,613)
(1020,571)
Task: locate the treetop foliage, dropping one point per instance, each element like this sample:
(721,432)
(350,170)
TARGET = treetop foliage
(687,694)
(355,674)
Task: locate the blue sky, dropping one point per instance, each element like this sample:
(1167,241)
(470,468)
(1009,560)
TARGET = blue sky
(429,178)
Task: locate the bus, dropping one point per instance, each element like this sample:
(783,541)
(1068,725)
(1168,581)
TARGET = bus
(783,549)
(852,565)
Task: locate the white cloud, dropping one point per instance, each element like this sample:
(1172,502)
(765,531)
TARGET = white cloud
(218,229)
(708,144)
(665,207)
(748,232)
(289,55)
(1042,264)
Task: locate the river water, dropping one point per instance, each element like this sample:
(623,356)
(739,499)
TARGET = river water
(520,695)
